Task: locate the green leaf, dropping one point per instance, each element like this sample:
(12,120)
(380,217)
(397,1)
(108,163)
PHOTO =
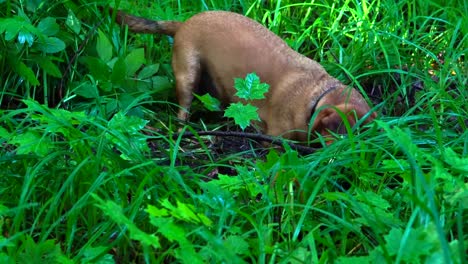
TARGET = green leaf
(160,83)
(237,245)
(112,106)
(242,114)
(217,196)
(45,251)
(415,244)
(126,135)
(3,134)
(26,72)
(156,212)
(104,47)
(135,60)
(97,255)
(115,212)
(209,102)
(73,22)
(87,90)
(144,238)
(373,199)
(4,258)
(11,27)
(452,158)
(32,5)
(48,66)
(186,253)
(148,71)
(250,88)
(169,230)
(119,71)
(48,26)
(32,142)
(354,260)
(185,212)
(97,68)
(50,45)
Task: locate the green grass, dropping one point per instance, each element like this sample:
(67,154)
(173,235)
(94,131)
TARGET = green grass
(90,171)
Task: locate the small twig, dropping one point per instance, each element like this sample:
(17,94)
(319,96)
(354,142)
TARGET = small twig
(258,137)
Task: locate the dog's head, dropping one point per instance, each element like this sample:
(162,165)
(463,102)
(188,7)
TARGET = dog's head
(335,106)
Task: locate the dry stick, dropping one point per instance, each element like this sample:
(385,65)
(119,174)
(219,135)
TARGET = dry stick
(254,136)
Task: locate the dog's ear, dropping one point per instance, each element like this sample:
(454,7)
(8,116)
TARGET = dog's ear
(329,118)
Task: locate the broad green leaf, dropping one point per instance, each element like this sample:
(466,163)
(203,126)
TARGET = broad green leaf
(32,5)
(417,243)
(169,229)
(156,212)
(115,212)
(395,164)
(48,66)
(26,72)
(112,210)
(373,199)
(355,260)
(50,45)
(186,252)
(237,245)
(242,114)
(45,251)
(216,196)
(13,29)
(250,88)
(160,83)
(127,101)
(57,120)
(73,22)
(48,26)
(10,23)
(135,60)
(128,124)
(148,71)
(187,212)
(3,134)
(209,102)
(144,238)
(4,258)
(400,137)
(104,47)
(105,86)
(97,68)
(458,163)
(112,105)
(125,133)
(32,142)
(97,255)
(86,90)
(119,71)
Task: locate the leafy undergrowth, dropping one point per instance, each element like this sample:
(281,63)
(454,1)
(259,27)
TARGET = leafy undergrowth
(92,170)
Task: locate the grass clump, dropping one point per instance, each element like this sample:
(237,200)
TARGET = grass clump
(93,170)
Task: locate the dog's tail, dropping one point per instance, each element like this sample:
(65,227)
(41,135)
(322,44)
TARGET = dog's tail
(143,25)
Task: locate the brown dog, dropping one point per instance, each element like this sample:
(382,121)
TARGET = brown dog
(227,45)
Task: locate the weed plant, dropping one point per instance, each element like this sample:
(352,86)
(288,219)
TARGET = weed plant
(93,171)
